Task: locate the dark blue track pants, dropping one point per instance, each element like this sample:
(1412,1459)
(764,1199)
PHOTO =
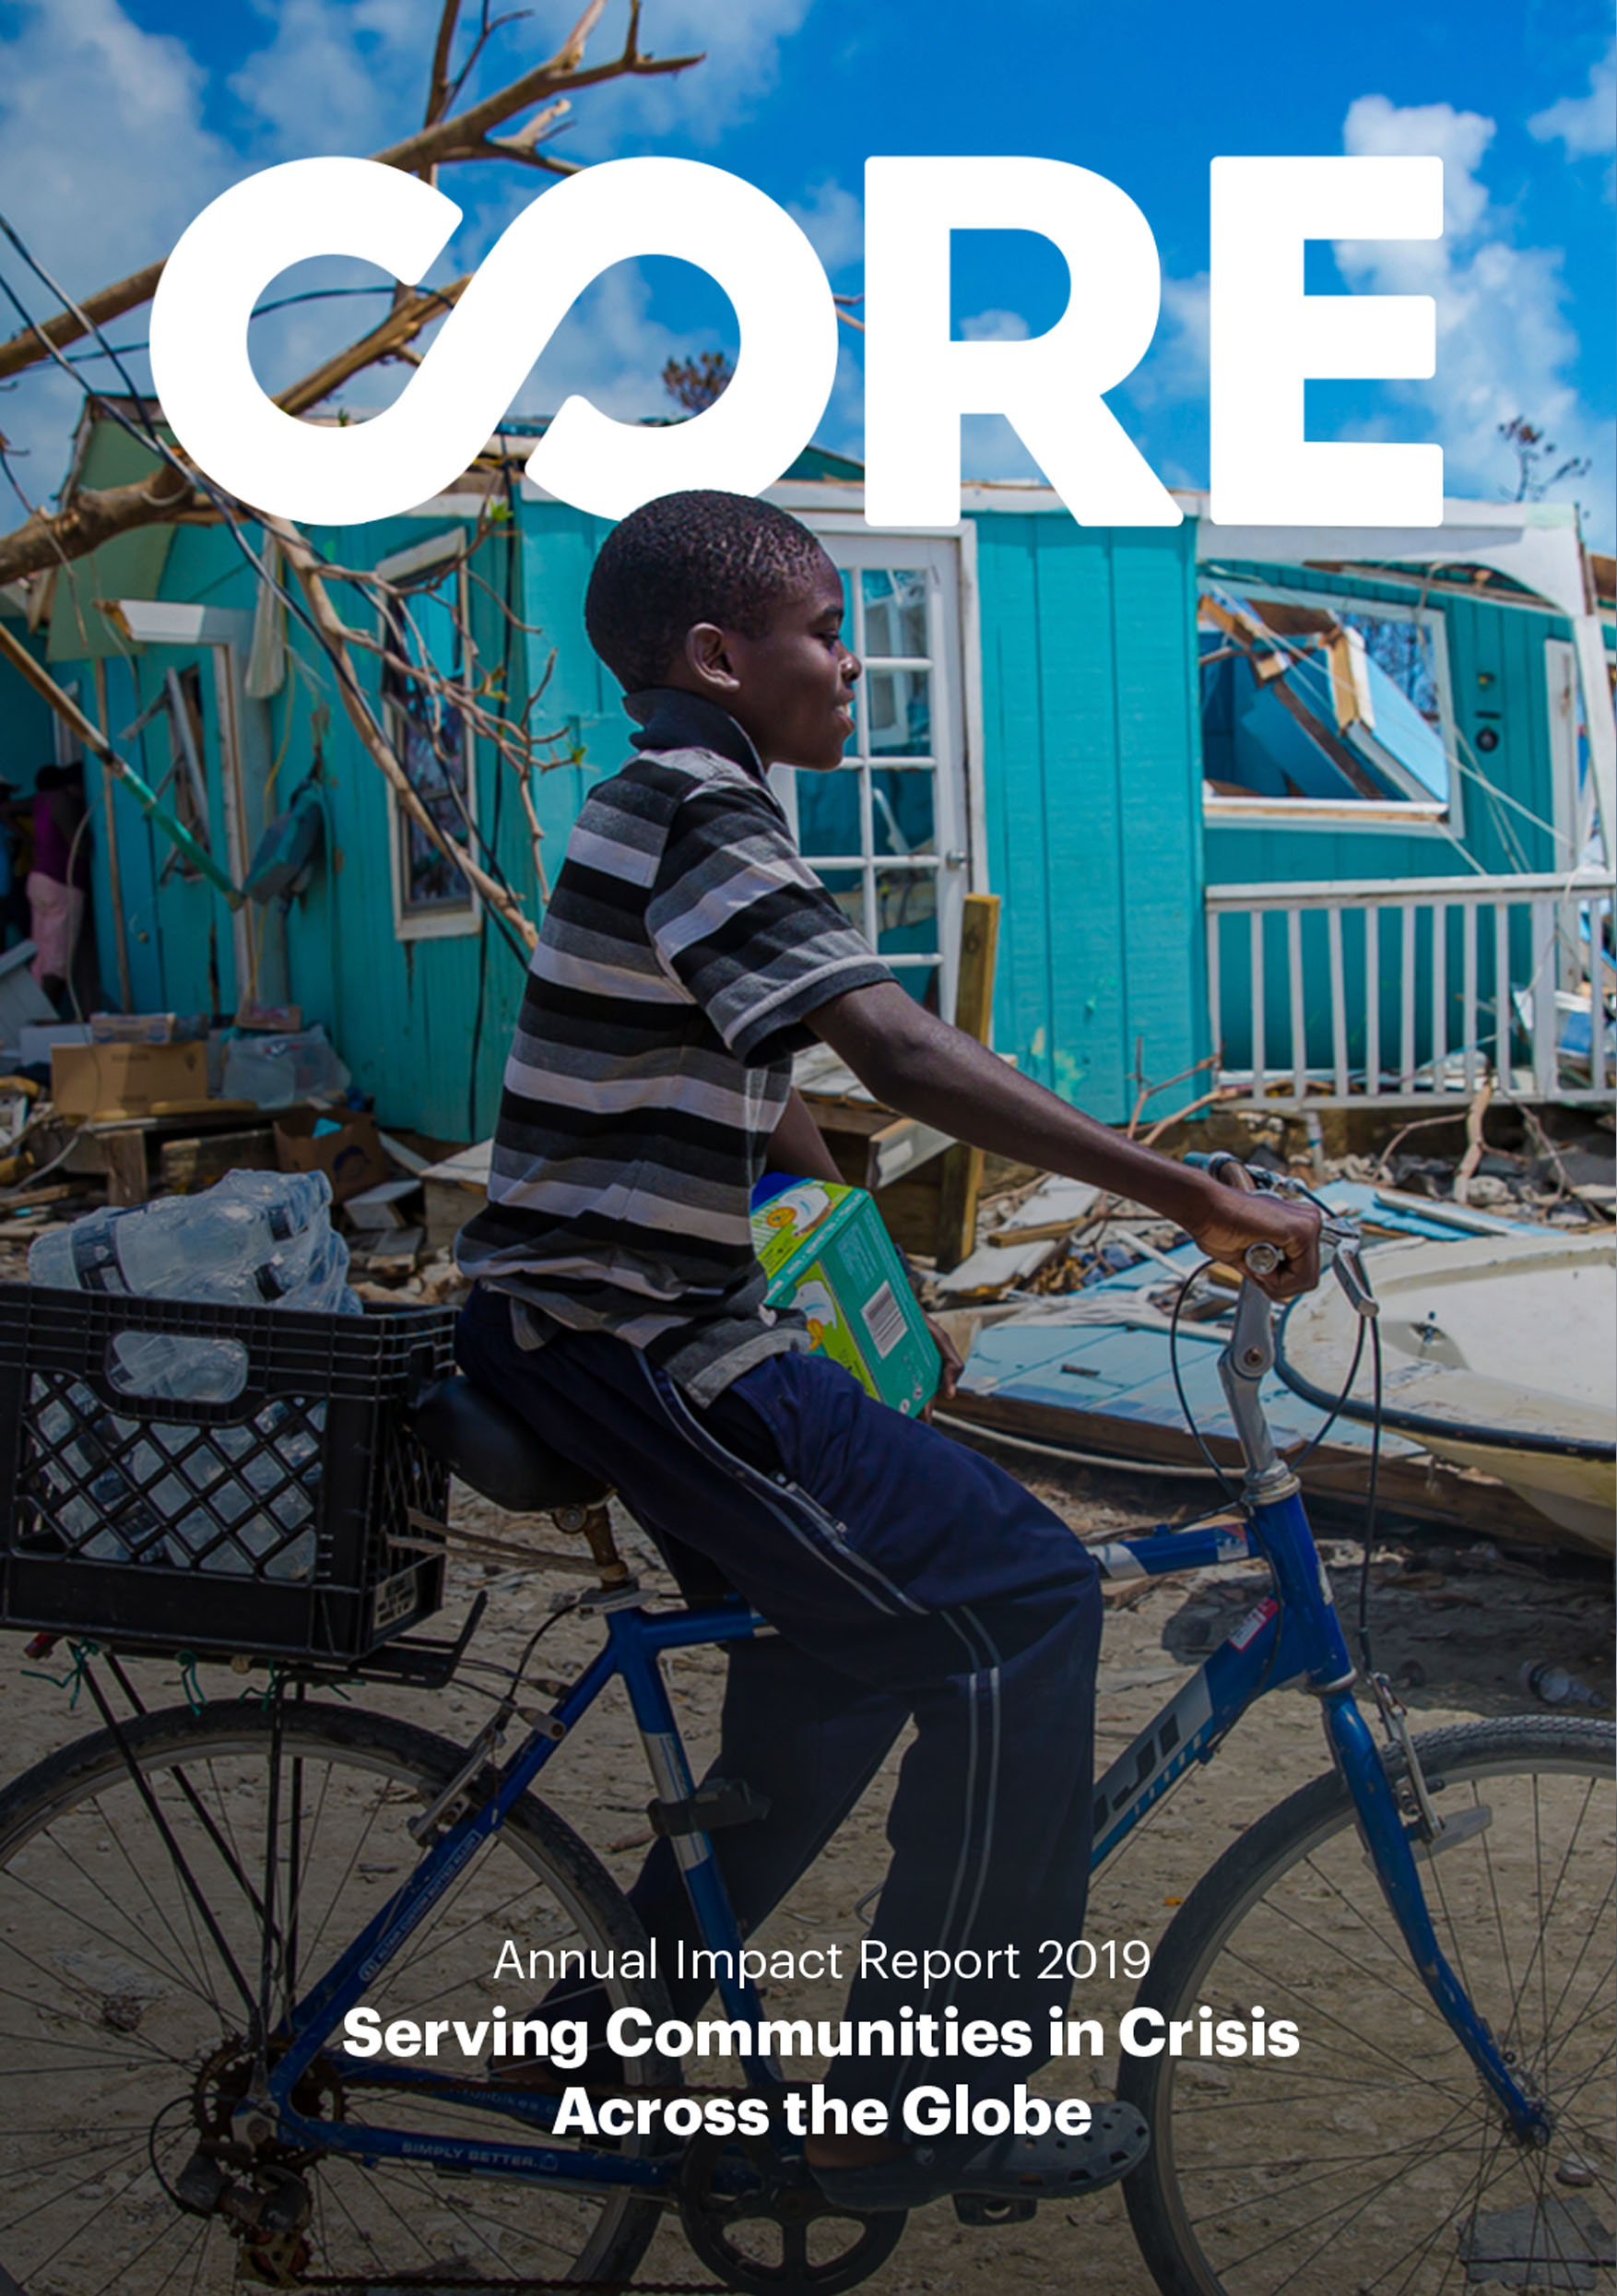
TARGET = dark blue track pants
(906,1576)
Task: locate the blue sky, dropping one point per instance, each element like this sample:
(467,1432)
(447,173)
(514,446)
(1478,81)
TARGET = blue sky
(120,118)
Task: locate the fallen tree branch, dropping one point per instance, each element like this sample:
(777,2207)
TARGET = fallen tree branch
(1475,1143)
(335,635)
(93,516)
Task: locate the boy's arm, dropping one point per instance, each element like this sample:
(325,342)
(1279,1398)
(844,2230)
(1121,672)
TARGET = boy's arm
(797,1145)
(916,1063)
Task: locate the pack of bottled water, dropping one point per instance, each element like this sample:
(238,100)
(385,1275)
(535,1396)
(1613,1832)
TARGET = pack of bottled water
(255,1239)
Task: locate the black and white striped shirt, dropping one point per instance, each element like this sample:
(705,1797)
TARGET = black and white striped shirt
(683,947)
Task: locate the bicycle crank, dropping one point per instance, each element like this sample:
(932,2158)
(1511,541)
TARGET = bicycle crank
(757,2217)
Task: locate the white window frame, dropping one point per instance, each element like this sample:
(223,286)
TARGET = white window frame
(442,923)
(1408,817)
(956,866)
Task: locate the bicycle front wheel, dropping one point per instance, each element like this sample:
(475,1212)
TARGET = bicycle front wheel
(1372,2159)
(126,2002)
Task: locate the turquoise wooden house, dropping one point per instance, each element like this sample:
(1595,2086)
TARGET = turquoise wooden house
(1331,810)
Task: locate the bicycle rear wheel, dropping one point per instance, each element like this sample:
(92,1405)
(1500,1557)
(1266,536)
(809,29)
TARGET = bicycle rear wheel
(1372,2160)
(124,2016)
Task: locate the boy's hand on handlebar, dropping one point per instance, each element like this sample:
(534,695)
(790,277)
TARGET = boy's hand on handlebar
(1235,1221)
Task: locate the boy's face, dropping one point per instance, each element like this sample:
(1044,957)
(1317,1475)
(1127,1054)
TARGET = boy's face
(792,689)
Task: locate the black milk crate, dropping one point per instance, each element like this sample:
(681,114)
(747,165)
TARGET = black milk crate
(286,1522)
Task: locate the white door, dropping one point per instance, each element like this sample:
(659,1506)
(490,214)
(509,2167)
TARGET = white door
(886,831)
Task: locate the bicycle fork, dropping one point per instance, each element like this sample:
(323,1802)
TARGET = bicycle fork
(1387,1837)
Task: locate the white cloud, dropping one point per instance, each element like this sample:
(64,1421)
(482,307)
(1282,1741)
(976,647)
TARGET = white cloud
(103,155)
(994,326)
(740,41)
(1506,345)
(1585,125)
(338,75)
(104,158)
(833,220)
(1175,367)
(612,350)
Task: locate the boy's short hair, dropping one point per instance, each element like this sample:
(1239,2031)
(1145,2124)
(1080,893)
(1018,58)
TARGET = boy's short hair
(698,556)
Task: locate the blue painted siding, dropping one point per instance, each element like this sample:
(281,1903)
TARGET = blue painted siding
(1092,773)
(1091,783)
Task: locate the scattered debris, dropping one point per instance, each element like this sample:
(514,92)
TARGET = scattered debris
(1073,1360)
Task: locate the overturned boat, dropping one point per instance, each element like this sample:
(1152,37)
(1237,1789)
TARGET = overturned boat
(1500,1353)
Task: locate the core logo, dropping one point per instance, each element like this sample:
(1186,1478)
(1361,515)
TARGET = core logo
(1267,338)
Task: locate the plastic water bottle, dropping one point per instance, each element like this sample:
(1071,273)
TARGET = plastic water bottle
(1554,1685)
(257,1238)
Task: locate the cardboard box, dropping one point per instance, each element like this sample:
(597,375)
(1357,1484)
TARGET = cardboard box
(125,1080)
(350,1153)
(827,1254)
(146,1028)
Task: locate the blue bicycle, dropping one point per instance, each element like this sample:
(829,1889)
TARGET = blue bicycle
(193,1902)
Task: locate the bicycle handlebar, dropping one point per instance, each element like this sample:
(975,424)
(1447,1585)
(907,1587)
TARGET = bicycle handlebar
(1340,1246)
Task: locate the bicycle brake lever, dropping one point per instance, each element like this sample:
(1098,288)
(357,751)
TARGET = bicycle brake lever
(1346,1253)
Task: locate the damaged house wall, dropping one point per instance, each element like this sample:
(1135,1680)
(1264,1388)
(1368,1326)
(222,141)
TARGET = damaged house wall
(1084,801)
(1505,814)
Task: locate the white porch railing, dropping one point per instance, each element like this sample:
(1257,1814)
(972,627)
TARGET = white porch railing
(1487,970)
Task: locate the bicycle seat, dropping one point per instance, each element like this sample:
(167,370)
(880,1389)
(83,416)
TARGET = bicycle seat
(494,1448)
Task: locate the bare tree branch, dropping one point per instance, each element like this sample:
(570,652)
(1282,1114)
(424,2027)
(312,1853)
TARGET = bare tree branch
(385,340)
(462,137)
(109,303)
(438,84)
(337,637)
(93,516)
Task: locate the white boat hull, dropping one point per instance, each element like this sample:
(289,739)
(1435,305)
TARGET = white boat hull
(1499,1354)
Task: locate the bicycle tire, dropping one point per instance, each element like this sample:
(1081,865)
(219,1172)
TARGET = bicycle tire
(1372,2159)
(116,2001)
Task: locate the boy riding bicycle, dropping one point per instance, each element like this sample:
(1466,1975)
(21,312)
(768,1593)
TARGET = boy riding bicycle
(687,954)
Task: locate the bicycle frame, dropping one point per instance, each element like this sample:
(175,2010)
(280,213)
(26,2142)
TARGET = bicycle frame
(1292,1636)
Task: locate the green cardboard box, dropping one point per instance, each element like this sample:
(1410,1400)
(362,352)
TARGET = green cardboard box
(827,1254)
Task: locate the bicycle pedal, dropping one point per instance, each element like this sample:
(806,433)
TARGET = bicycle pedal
(983,2209)
(722,1802)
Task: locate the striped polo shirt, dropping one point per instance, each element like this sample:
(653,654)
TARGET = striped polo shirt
(684,947)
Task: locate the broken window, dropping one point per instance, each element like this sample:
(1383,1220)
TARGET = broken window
(423,631)
(1316,703)
(885,832)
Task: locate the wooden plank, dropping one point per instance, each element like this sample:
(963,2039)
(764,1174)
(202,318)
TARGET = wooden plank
(1391,893)
(1503,1009)
(1373,1002)
(449,1205)
(973,1013)
(1406,953)
(1339,1000)
(1418,1486)
(1439,988)
(1471,1037)
(125,1155)
(1259,1064)
(1541,1000)
(185,1165)
(903,1147)
(1294,984)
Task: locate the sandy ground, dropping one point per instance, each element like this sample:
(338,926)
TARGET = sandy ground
(1454,1637)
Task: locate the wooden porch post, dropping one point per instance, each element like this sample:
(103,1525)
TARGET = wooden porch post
(973,1013)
